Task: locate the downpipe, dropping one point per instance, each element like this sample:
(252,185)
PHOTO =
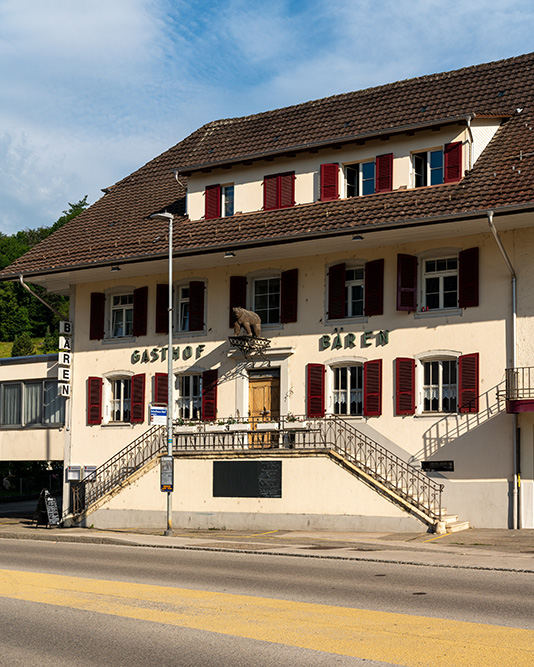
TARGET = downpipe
(516,499)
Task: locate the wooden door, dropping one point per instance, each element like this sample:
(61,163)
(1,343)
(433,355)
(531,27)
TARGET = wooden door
(264,406)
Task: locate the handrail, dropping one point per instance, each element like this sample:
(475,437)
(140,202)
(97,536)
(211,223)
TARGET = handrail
(519,383)
(290,432)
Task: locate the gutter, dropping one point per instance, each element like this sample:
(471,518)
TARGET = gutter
(26,287)
(516,496)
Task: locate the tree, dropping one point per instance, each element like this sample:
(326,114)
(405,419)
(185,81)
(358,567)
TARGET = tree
(23,345)
(19,310)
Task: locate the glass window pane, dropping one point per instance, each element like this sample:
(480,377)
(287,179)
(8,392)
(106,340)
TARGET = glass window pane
(441,264)
(33,402)
(54,405)
(12,404)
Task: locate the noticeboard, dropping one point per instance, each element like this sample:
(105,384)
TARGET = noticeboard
(46,513)
(167,473)
(247,479)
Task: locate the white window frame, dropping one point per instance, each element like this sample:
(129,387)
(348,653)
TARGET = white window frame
(330,365)
(252,279)
(107,397)
(44,420)
(441,276)
(360,180)
(226,200)
(428,168)
(355,282)
(179,301)
(188,407)
(429,357)
(353,370)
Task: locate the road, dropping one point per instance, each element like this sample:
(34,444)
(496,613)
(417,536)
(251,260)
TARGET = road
(95,604)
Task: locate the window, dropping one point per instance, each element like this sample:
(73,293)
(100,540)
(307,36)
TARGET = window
(124,396)
(442,165)
(219,201)
(189,402)
(366,178)
(266,299)
(183,308)
(279,191)
(440,283)
(447,282)
(348,390)
(355,291)
(31,403)
(119,315)
(120,400)
(122,315)
(360,179)
(446,384)
(356,389)
(440,387)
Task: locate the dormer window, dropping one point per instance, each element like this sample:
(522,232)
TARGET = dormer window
(436,166)
(219,201)
(366,178)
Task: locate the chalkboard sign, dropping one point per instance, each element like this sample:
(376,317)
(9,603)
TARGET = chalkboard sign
(247,479)
(46,513)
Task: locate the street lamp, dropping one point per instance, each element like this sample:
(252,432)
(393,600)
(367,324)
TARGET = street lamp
(170,384)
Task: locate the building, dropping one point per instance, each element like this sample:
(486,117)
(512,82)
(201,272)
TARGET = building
(385,238)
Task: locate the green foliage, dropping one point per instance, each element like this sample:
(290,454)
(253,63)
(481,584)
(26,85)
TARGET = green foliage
(23,345)
(19,310)
(50,342)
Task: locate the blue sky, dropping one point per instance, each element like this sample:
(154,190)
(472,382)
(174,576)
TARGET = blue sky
(92,89)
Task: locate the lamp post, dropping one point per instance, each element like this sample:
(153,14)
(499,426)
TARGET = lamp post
(170,384)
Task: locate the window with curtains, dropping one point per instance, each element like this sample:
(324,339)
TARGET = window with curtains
(121,315)
(348,390)
(31,403)
(440,385)
(189,401)
(120,399)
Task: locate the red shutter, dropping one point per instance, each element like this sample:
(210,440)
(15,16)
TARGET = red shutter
(315,390)
(209,395)
(453,162)
(468,278)
(97,316)
(404,386)
(140,308)
(162,309)
(286,189)
(138,399)
(196,305)
(374,287)
(161,388)
(384,172)
(336,292)
(270,192)
(329,182)
(289,285)
(406,282)
(238,295)
(372,388)
(212,202)
(94,400)
(468,383)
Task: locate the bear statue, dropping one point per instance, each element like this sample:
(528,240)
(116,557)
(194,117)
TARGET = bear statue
(250,321)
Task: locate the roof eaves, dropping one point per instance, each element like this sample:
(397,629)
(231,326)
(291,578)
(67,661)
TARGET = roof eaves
(451,120)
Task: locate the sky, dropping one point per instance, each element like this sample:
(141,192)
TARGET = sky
(90,90)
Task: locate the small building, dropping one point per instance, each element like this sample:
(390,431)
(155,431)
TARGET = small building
(32,414)
(384,237)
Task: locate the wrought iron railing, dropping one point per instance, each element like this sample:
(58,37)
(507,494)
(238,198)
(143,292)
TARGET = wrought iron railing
(249,435)
(117,469)
(519,383)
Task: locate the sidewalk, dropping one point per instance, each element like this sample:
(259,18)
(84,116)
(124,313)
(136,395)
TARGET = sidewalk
(475,548)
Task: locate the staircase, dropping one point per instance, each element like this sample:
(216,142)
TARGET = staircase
(387,474)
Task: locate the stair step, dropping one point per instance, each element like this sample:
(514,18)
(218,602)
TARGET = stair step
(449,518)
(457,526)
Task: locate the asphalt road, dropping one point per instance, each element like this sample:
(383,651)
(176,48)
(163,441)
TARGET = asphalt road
(94,604)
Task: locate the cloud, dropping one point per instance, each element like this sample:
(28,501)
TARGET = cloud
(92,89)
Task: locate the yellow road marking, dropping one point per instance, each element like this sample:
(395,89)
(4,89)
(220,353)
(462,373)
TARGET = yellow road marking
(269,532)
(436,538)
(389,637)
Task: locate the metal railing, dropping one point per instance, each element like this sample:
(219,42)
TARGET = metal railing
(519,383)
(117,469)
(248,435)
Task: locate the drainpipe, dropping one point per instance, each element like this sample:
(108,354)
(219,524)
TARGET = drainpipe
(26,287)
(516,498)
(471,141)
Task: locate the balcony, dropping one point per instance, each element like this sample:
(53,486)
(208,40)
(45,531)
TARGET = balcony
(519,392)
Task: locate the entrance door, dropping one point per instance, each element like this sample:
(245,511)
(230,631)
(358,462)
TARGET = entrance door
(264,406)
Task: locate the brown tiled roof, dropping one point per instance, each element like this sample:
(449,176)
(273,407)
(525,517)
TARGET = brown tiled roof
(118,226)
